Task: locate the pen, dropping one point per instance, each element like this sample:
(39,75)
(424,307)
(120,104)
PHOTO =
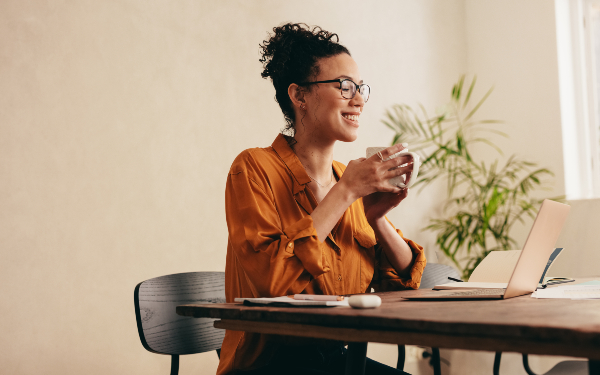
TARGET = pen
(453,279)
(317,297)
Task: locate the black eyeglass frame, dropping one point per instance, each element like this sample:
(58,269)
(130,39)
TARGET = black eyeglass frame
(340,81)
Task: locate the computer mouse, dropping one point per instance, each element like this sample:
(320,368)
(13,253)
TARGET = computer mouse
(364,301)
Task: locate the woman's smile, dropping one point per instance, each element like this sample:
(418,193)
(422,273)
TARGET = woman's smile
(351,118)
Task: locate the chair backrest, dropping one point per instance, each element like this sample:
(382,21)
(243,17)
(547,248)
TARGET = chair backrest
(436,273)
(161,330)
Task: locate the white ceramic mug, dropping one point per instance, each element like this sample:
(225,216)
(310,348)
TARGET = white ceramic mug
(399,180)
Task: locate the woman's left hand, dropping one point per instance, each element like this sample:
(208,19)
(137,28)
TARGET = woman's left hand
(377,205)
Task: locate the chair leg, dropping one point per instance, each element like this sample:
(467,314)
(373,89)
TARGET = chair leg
(436,361)
(497,359)
(401,357)
(174,364)
(528,369)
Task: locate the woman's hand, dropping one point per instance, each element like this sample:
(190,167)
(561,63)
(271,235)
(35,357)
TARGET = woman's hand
(377,205)
(366,176)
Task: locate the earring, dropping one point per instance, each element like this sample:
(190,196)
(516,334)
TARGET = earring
(303,106)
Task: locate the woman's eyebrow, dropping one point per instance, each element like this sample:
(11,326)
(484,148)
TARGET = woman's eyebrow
(350,78)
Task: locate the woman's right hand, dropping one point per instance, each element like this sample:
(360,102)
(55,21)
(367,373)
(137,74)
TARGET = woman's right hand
(365,176)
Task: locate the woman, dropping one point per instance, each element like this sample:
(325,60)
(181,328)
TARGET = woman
(300,222)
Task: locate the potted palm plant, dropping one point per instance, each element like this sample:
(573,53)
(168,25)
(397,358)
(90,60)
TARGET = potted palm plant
(484,200)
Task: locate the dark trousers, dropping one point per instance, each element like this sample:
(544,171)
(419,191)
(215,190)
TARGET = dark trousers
(310,360)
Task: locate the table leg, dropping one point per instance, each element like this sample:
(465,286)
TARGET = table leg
(356,358)
(436,361)
(594,367)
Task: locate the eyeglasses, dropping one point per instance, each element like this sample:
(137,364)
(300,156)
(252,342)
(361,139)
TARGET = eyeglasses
(347,87)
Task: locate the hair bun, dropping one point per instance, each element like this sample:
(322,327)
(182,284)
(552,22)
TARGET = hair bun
(292,42)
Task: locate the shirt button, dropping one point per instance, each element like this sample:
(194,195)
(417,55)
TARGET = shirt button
(340,277)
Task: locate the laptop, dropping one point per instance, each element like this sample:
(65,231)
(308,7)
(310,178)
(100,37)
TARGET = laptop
(530,266)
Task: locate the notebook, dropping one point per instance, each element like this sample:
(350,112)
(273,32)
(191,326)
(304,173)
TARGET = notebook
(530,265)
(286,301)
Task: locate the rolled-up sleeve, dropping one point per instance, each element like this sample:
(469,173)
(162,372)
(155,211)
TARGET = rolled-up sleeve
(275,260)
(386,277)
(389,278)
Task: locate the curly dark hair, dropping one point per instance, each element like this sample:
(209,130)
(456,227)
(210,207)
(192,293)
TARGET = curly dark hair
(290,55)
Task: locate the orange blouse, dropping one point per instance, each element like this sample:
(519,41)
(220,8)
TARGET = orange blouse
(273,249)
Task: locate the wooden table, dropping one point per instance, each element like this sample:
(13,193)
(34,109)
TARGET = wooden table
(522,324)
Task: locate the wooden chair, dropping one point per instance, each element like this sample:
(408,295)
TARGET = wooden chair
(433,274)
(161,330)
(561,368)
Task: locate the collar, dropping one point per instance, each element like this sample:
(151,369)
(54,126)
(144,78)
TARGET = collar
(301,178)
(291,161)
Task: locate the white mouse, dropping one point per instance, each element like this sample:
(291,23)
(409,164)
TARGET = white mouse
(364,301)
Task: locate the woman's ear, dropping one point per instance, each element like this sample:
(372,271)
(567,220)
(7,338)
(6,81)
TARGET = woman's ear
(296,94)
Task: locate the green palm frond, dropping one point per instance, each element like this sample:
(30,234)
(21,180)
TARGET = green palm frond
(484,200)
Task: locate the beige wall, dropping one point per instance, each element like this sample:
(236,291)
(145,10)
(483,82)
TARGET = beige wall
(511,46)
(118,123)
(119,120)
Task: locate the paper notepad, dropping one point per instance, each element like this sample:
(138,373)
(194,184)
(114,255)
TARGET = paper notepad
(496,267)
(286,301)
(493,272)
(570,292)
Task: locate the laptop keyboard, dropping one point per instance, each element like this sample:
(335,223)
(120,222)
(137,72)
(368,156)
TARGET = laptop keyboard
(480,292)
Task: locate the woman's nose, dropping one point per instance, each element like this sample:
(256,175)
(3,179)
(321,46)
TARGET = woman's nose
(358,99)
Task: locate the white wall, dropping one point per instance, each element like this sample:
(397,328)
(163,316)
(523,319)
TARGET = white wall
(581,241)
(118,123)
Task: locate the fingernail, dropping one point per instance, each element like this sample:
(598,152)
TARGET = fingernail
(404,145)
